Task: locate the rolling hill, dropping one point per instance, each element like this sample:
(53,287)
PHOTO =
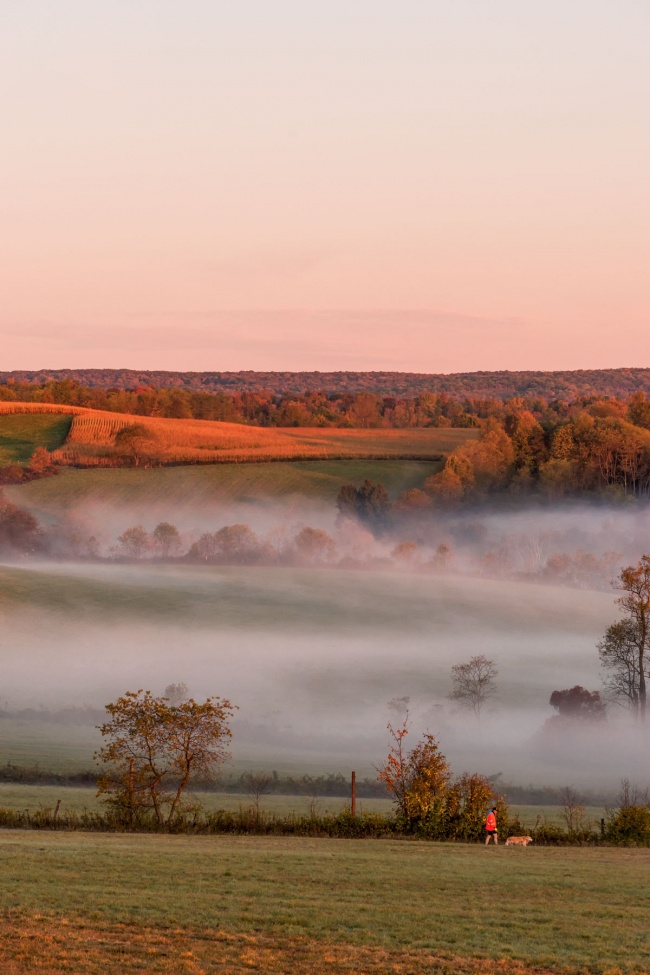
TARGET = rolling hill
(93,439)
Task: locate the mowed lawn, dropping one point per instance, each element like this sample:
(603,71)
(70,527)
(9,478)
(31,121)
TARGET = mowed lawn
(21,434)
(90,903)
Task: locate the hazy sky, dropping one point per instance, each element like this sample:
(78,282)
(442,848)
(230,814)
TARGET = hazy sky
(428,185)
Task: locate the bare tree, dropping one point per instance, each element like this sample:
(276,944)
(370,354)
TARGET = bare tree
(474,683)
(573,811)
(625,648)
(619,658)
(256,785)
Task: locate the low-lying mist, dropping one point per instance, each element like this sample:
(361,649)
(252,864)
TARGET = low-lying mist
(313,656)
(572,544)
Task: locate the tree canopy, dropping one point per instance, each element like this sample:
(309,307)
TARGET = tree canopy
(153,749)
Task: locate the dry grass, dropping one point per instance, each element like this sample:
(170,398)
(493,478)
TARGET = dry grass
(241,903)
(91,440)
(47,944)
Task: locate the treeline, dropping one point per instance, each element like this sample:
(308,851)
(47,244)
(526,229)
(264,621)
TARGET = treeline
(358,410)
(567,385)
(600,447)
(533,559)
(254,785)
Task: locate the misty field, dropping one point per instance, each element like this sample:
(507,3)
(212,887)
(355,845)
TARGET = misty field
(179,904)
(312,658)
(191,490)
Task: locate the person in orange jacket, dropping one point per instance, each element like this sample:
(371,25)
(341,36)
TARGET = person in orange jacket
(491,827)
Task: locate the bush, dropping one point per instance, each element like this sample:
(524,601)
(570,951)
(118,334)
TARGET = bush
(629,825)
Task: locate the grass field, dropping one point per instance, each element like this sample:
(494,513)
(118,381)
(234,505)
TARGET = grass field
(21,434)
(105,903)
(189,488)
(91,439)
(14,795)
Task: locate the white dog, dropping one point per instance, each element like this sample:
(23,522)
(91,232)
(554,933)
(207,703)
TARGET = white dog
(519,840)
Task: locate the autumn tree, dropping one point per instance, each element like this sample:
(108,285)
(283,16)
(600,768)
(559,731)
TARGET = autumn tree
(134,542)
(466,801)
(19,529)
(474,683)
(233,543)
(40,461)
(167,538)
(369,503)
(153,749)
(314,545)
(625,648)
(135,442)
(416,779)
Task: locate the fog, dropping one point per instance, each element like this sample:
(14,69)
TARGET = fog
(576,544)
(312,656)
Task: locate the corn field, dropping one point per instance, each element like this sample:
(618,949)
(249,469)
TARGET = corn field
(93,440)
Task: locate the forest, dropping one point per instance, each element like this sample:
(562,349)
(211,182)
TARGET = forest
(502,384)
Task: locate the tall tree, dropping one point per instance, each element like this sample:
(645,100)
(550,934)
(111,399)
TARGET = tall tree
(625,647)
(474,683)
(166,537)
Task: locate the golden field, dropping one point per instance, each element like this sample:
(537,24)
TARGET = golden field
(91,440)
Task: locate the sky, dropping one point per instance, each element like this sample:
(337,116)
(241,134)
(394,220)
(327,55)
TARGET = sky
(422,185)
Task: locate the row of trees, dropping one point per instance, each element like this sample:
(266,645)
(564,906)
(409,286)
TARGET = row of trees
(531,559)
(326,407)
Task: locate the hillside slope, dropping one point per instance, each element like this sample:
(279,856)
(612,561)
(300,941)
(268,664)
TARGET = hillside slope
(93,440)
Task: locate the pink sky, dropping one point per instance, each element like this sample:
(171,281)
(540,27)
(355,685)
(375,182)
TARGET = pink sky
(426,186)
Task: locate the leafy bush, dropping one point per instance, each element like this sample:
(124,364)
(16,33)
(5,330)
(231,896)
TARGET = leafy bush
(629,825)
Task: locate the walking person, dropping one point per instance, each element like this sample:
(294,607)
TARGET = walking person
(491,827)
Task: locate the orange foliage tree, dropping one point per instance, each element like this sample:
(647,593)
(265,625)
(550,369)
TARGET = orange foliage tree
(416,779)
(154,748)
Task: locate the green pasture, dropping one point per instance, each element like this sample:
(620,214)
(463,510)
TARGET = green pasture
(15,795)
(60,748)
(210,483)
(22,433)
(586,908)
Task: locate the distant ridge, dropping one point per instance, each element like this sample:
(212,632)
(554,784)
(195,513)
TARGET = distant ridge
(564,385)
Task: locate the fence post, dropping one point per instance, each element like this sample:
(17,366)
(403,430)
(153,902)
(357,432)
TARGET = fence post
(353,794)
